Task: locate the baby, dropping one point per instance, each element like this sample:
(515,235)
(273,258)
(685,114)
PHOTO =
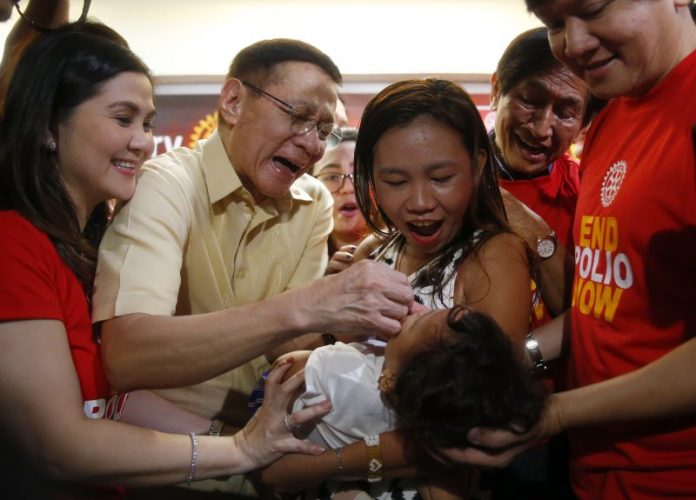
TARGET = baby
(448,371)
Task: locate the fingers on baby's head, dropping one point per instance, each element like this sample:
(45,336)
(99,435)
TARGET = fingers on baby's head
(472,377)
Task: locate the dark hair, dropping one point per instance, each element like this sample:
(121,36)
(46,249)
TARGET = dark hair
(400,104)
(20,45)
(529,55)
(258,61)
(58,72)
(533,5)
(472,378)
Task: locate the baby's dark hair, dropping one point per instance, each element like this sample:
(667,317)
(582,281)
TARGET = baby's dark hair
(472,378)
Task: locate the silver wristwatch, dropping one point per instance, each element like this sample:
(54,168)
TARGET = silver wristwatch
(546,246)
(539,366)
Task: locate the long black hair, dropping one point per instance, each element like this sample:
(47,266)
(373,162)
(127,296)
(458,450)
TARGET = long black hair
(57,72)
(400,104)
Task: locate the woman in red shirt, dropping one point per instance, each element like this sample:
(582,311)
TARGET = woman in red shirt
(76,128)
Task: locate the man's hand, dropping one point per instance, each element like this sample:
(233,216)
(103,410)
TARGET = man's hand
(367,297)
(498,447)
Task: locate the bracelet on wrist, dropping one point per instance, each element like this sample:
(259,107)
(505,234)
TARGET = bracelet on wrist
(539,366)
(339,461)
(374,458)
(194,458)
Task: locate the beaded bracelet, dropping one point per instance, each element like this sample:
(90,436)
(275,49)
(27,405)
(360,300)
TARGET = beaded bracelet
(194,457)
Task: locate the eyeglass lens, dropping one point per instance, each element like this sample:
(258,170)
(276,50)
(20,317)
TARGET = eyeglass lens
(334,182)
(329,133)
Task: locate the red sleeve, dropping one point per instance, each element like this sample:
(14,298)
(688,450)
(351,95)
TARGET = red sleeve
(29,270)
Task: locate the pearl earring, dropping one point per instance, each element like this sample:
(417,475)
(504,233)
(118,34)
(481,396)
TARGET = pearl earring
(52,146)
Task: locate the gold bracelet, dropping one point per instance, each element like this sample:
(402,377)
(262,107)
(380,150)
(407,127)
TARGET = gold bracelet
(374,458)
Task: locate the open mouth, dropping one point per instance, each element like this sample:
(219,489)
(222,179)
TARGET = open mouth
(287,163)
(425,228)
(348,208)
(532,151)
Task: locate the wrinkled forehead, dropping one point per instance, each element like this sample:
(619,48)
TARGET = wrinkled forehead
(306,81)
(561,83)
(306,85)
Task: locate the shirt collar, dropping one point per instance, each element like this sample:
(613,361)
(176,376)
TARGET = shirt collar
(221,178)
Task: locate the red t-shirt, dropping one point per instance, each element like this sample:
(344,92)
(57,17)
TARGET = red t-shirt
(552,197)
(37,284)
(635,282)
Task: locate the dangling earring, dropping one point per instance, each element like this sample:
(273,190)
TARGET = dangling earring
(52,146)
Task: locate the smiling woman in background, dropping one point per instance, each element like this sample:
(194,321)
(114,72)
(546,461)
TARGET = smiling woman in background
(76,128)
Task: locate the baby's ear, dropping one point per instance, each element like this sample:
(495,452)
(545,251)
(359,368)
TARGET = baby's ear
(387,381)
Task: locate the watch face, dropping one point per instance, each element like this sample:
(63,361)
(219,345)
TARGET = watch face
(545,248)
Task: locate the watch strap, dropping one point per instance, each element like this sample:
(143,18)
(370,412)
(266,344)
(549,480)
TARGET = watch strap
(374,458)
(539,366)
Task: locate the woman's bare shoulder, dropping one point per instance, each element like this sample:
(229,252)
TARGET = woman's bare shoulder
(366,247)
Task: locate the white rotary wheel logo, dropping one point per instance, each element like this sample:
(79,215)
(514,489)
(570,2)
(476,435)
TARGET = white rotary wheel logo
(612,182)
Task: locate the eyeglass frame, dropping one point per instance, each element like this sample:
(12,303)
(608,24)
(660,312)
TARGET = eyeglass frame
(342,183)
(308,124)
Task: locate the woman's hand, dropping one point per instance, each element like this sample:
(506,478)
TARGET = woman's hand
(341,259)
(268,434)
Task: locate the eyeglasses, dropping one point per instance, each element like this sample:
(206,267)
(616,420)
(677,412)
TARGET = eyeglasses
(334,182)
(328,133)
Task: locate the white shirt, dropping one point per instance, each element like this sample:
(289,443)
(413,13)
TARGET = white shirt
(348,376)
